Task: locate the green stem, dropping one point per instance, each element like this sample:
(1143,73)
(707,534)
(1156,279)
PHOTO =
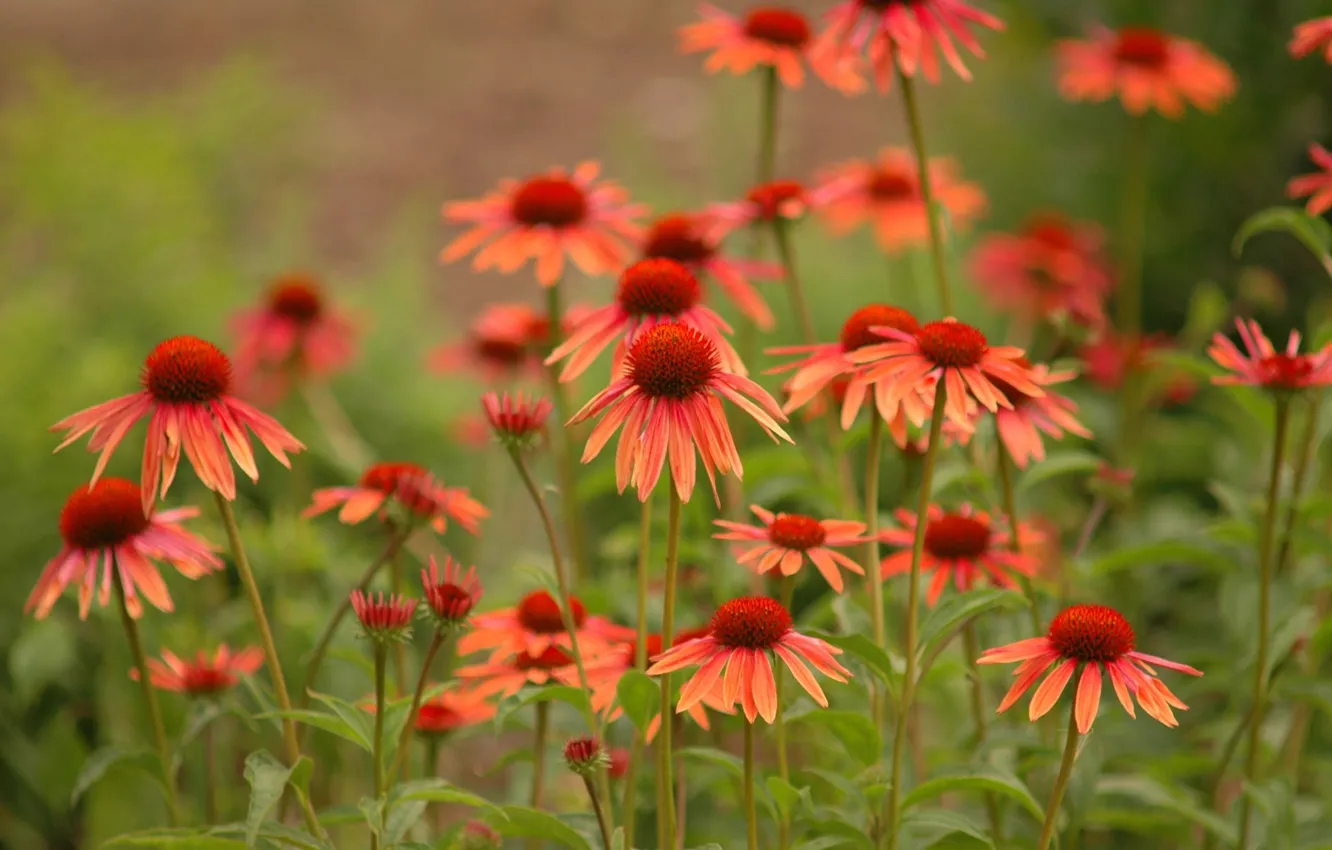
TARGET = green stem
(1061,781)
(149,700)
(971,648)
(786,591)
(751,814)
(1299,725)
(767,157)
(399,647)
(381,661)
(1303,463)
(913,617)
(1265,553)
(793,288)
(409,728)
(1015,539)
(347,445)
(600,813)
(917,128)
(539,760)
(210,772)
(628,809)
(566,466)
(873,574)
(664,749)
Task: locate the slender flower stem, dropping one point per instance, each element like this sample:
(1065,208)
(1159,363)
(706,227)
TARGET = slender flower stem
(566,466)
(150,701)
(539,758)
(1015,530)
(751,814)
(913,616)
(971,647)
(399,647)
(290,740)
(1303,463)
(599,811)
(400,760)
(628,809)
(1061,781)
(767,156)
(927,190)
(210,772)
(347,445)
(381,661)
(1128,301)
(1100,507)
(786,593)
(873,574)
(1265,553)
(664,748)
(1299,725)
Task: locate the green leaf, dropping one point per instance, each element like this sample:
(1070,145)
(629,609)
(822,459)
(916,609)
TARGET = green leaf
(955,610)
(1058,465)
(879,662)
(836,780)
(1313,231)
(438,791)
(857,733)
(268,778)
(562,693)
(523,822)
(285,836)
(836,833)
(1160,552)
(372,810)
(176,839)
(640,697)
(617,839)
(400,819)
(1152,793)
(729,763)
(202,713)
(927,827)
(986,780)
(354,716)
(328,722)
(786,796)
(96,766)
(44,652)
(340,815)
(827,842)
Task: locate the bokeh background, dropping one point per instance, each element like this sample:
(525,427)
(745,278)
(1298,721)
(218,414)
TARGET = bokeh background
(160,162)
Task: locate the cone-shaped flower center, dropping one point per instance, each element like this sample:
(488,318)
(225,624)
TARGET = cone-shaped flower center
(796,531)
(502,352)
(952,344)
(450,601)
(551,201)
(751,622)
(295,297)
(856,332)
(957,536)
(677,237)
(433,717)
(1142,46)
(553,657)
(1285,371)
(1091,633)
(891,185)
(672,361)
(1052,231)
(109,514)
(770,196)
(186,370)
(388,477)
(777,26)
(207,679)
(657,287)
(540,613)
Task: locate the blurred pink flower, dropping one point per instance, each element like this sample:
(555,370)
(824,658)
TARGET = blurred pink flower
(1318,184)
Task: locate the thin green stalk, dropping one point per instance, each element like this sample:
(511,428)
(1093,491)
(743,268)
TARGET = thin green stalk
(210,772)
(1061,781)
(664,749)
(917,128)
(628,809)
(1303,463)
(873,575)
(971,648)
(381,662)
(786,591)
(751,814)
(1015,539)
(1128,300)
(347,445)
(566,466)
(149,700)
(913,617)
(399,647)
(1299,725)
(602,823)
(409,728)
(539,760)
(767,157)
(1265,558)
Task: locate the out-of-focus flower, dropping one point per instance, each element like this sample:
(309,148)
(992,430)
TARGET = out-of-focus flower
(1111,356)
(1096,638)
(1311,36)
(450,595)
(547,218)
(104,528)
(619,762)
(508,676)
(584,755)
(886,193)
(776,200)
(187,400)
(535,624)
(449,711)
(1317,185)
(769,36)
(1020,426)
(1261,365)
(516,420)
(734,659)
(965,545)
(408,485)
(477,836)
(784,541)
(1147,68)
(505,342)
(384,618)
(204,676)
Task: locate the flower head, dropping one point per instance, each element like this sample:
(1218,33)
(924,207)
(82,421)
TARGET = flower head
(743,634)
(1110,357)
(450,595)
(649,293)
(535,624)
(691,241)
(887,193)
(506,677)
(774,201)
(476,835)
(105,527)
(584,755)
(186,398)
(1096,638)
(449,711)
(1261,365)
(546,218)
(784,541)
(204,676)
(407,485)
(1312,36)
(504,342)
(1021,424)
(1147,68)
(1317,185)
(964,545)
(516,420)
(382,617)
(669,401)
(770,36)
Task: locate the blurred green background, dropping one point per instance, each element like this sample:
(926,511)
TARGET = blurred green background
(160,162)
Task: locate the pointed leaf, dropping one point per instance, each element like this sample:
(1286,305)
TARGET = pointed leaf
(175,839)
(101,761)
(640,697)
(857,733)
(327,722)
(927,827)
(1313,231)
(354,716)
(268,778)
(523,822)
(955,611)
(562,693)
(1152,793)
(1160,552)
(202,713)
(1057,465)
(988,780)
(438,791)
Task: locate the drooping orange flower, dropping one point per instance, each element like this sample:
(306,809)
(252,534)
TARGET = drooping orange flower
(1147,68)
(1312,36)
(407,485)
(965,545)
(1261,365)
(669,402)
(1094,638)
(507,677)
(769,36)
(784,541)
(104,527)
(187,400)
(547,218)
(204,676)
(1021,424)
(1317,185)
(534,625)
(449,711)
(886,193)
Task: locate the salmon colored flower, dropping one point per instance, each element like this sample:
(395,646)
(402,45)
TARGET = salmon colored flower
(384,617)
(1111,356)
(1312,36)
(784,541)
(506,677)
(450,595)
(534,625)
(1261,365)
(407,485)
(734,659)
(547,218)
(504,343)
(1094,638)
(295,334)
(471,430)
(964,545)
(186,398)
(649,293)
(903,34)
(1052,270)
(776,200)
(516,420)
(449,711)
(204,676)
(948,352)
(1020,426)
(886,193)
(1147,68)
(104,527)
(669,402)
(689,239)
(1317,185)
(766,36)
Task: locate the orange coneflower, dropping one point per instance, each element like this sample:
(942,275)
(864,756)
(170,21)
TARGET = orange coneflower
(505,342)
(669,402)
(734,659)
(1317,185)
(1093,637)
(105,527)
(1020,425)
(546,218)
(964,545)
(887,193)
(535,624)
(1311,36)
(187,398)
(776,200)
(204,676)
(449,711)
(1261,365)
(766,35)
(1147,68)
(505,678)
(408,485)
(384,617)
(450,595)
(785,540)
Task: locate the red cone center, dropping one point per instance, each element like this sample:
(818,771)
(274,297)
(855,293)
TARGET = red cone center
(796,531)
(658,287)
(296,297)
(769,197)
(553,657)
(672,361)
(108,514)
(207,679)
(677,237)
(540,613)
(1142,46)
(856,332)
(549,201)
(1091,633)
(186,370)
(450,601)
(891,186)
(751,622)
(1285,371)
(952,344)
(957,536)
(781,27)
(388,477)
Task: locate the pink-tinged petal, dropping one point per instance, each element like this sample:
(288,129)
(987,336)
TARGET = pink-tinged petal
(1088,699)
(702,681)
(747,661)
(1114,668)
(801,674)
(1167,664)
(1026,678)
(731,683)
(765,687)
(687,654)
(824,563)
(1049,691)
(1019,651)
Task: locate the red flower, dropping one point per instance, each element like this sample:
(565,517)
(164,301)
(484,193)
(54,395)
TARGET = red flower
(1261,365)
(507,677)
(584,755)
(450,596)
(534,625)
(504,342)
(383,617)
(769,36)
(516,420)
(449,711)
(204,676)
(785,540)
(186,397)
(408,485)
(1110,357)
(776,200)
(1311,36)
(1317,185)
(964,545)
